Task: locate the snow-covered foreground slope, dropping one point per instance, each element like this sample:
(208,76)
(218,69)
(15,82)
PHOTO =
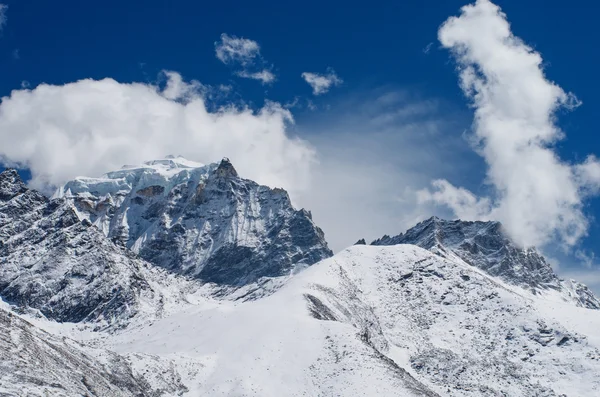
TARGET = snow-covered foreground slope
(466,333)
(36,363)
(378,321)
(274,346)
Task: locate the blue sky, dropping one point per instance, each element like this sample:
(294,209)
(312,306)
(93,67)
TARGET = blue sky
(368,46)
(398,119)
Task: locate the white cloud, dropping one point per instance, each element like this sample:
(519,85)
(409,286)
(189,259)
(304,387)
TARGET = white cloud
(587,258)
(178,89)
(232,50)
(587,175)
(538,197)
(265,76)
(461,201)
(3,10)
(321,83)
(90,127)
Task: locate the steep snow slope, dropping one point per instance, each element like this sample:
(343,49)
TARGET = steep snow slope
(67,269)
(486,246)
(273,347)
(382,321)
(203,221)
(467,334)
(36,363)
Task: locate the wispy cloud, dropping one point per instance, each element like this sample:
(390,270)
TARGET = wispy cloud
(231,49)
(265,76)
(588,259)
(321,83)
(244,53)
(3,11)
(538,197)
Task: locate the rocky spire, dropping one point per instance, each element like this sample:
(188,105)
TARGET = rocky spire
(11,184)
(226,169)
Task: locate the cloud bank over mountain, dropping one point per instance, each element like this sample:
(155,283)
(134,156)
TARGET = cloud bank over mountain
(93,126)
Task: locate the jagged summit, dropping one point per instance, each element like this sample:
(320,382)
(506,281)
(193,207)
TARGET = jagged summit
(11,184)
(482,244)
(200,220)
(226,169)
(439,232)
(486,245)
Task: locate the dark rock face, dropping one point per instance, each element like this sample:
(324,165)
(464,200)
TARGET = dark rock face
(10,184)
(485,245)
(151,191)
(201,221)
(53,262)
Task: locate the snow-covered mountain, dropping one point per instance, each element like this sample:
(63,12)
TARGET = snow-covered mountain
(370,321)
(486,246)
(202,221)
(455,328)
(52,261)
(116,287)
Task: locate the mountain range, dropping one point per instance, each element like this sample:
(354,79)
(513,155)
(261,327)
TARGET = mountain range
(174,278)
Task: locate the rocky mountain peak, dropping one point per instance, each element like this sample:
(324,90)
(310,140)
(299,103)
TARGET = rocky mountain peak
(436,232)
(226,169)
(11,184)
(486,245)
(203,221)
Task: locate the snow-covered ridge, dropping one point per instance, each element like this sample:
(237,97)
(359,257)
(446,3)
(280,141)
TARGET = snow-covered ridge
(486,246)
(163,172)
